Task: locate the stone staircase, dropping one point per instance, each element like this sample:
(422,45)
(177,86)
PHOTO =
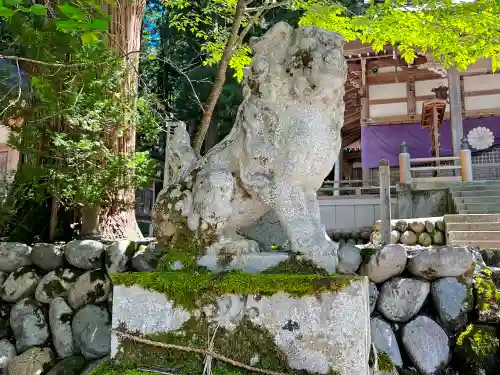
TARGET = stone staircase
(478,220)
(477,197)
(481,230)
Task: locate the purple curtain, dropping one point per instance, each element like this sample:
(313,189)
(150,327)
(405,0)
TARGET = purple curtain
(384,141)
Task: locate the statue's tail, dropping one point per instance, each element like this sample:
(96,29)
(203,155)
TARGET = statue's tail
(180,156)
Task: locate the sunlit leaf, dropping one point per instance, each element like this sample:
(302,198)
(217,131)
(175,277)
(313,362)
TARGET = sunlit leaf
(72,12)
(98,24)
(67,26)
(89,38)
(38,10)
(6,12)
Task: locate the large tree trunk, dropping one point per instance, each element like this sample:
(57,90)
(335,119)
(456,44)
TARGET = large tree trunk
(220,76)
(125,38)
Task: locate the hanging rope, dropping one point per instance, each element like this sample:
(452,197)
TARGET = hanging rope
(207,368)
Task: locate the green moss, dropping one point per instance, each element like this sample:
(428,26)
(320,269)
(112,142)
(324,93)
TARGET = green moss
(244,343)
(487,298)
(478,343)
(194,290)
(185,252)
(114,368)
(181,244)
(384,362)
(297,266)
(410,372)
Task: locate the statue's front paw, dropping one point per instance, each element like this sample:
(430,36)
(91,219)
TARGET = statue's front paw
(323,254)
(242,246)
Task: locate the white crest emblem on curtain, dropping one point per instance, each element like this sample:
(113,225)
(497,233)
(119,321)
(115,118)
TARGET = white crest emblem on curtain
(481,138)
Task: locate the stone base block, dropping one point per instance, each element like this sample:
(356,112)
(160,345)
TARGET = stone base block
(284,323)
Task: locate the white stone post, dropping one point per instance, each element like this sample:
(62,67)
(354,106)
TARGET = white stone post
(465,161)
(404,165)
(384,170)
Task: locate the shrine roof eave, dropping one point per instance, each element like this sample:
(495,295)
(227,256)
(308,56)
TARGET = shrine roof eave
(356,50)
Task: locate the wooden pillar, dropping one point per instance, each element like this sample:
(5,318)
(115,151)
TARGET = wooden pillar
(385,200)
(435,135)
(365,113)
(337,173)
(457,127)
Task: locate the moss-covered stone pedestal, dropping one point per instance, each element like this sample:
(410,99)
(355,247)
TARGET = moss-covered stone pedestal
(283,323)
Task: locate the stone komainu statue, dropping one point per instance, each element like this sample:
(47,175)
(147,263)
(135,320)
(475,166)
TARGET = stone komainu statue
(284,142)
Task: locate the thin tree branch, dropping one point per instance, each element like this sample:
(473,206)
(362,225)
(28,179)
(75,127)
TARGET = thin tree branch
(267,6)
(60,65)
(19,91)
(220,77)
(260,11)
(173,65)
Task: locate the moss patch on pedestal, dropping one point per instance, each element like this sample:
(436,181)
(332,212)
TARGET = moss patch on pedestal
(112,367)
(296,266)
(247,344)
(192,291)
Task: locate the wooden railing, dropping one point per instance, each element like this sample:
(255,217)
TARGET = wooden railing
(351,188)
(464,165)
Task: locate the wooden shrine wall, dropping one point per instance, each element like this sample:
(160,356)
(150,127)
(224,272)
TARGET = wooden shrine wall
(396,97)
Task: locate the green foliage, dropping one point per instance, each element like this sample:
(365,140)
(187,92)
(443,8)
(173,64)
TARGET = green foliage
(211,21)
(195,290)
(487,295)
(74,109)
(85,19)
(457,34)
(478,344)
(110,367)
(385,363)
(8,8)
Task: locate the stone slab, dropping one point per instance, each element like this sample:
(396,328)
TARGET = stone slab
(325,333)
(246,262)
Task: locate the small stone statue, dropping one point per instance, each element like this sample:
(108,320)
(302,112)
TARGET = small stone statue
(284,142)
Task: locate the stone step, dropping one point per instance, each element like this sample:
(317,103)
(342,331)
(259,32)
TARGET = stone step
(477,199)
(478,212)
(475,193)
(485,226)
(472,218)
(474,188)
(480,244)
(485,207)
(476,235)
(476,183)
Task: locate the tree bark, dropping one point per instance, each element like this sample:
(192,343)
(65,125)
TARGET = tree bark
(220,77)
(124,38)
